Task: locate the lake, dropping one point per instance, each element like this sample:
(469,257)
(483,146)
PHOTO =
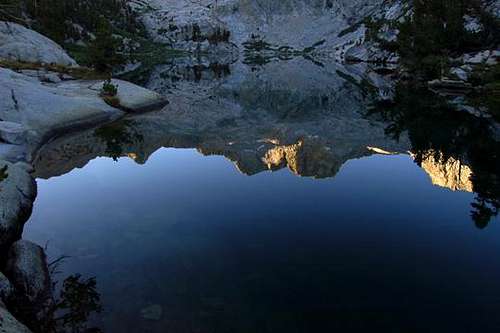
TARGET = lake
(276,198)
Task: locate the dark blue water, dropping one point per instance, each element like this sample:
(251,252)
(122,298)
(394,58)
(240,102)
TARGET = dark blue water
(186,243)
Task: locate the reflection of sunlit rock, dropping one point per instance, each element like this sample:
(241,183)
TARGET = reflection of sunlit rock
(449,173)
(305,158)
(295,114)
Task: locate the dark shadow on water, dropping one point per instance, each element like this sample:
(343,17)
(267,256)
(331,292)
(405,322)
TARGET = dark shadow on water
(438,130)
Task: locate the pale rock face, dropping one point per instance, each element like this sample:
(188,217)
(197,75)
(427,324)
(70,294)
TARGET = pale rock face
(450,173)
(47,108)
(44,109)
(313,25)
(17,193)
(18,43)
(12,132)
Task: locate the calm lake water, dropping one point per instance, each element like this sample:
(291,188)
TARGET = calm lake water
(182,241)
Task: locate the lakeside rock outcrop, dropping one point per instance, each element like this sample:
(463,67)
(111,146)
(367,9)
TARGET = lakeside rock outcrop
(37,105)
(18,43)
(27,269)
(17,193)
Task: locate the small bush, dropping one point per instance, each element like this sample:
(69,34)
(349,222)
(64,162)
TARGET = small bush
(109,93)
(109,89)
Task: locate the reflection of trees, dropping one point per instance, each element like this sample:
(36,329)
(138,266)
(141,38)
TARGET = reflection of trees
(77,301)
(435,127)
(116,136)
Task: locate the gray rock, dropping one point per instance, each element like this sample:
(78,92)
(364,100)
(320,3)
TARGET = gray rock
(17,193)
(48,108)
(13,153)
(6,289)
(460,74)
(28,271)
(9,324)
(133,98)
(18,43)
(12,132)
(299,24)
(50,78)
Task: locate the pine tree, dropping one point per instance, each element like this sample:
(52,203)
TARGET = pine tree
(104,49)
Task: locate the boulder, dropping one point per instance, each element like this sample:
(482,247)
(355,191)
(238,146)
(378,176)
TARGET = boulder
(6,289)
(17,193)
(48,108)
(13,153)
(18,43)
(9,324)
(28,271)
(12,132)
(133,98)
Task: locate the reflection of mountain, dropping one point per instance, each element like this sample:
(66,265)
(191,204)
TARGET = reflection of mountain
(450,173)
(458,150)
(294,114)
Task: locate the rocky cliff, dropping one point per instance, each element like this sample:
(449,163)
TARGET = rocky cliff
(325,28)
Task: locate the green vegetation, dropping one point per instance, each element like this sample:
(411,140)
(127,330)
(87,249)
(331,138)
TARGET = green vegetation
(76,72)
(437,32)
(109,92)
(101,25)
(488,96)
(109,89)
(116,136)
(103,51)
(63,19)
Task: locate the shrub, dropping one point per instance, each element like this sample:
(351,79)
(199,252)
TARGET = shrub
(109,92)
(109,89)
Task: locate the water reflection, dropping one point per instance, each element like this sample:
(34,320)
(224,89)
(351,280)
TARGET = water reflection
(458,142)
(179,241)
(78,300)
(297,115)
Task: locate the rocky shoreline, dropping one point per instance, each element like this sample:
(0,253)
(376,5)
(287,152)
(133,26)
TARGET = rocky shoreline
(36,106)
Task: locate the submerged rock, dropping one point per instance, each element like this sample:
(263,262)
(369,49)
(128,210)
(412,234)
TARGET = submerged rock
(17,193)
(18,43)
(153,312)
(28,271)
